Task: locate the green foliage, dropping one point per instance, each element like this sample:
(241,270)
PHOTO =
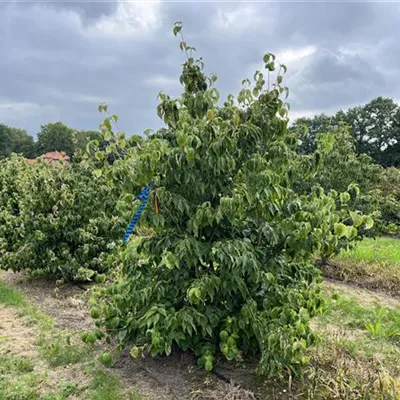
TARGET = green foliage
(225,267)
(14,140)
(56,219)
(56,137)
(308,130)
(390,200)
(341,169)
(82,138)
(60,350)
(375,128)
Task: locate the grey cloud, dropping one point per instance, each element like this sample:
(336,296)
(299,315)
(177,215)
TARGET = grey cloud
(58,61)
(333,79)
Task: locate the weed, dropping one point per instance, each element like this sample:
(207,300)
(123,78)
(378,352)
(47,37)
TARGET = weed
(11,364)
(59,350)
(14,298)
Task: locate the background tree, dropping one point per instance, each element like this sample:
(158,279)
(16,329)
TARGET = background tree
(23,143)
(308,128)
(15,140)
(55,137)
(82,137)
(5,141)
(375,128)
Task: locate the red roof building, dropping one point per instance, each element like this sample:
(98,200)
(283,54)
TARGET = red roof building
(53,156)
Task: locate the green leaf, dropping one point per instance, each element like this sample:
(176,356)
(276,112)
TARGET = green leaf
(369,222)
(340,229)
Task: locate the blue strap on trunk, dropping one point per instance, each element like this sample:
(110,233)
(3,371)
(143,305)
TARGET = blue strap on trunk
(144,197)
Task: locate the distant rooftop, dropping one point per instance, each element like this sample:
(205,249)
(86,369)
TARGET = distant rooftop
(53,156)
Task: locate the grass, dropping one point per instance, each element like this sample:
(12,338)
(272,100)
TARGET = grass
(358,353)
(19,381)
(63,349)
(104,386)
(13,298)
(382,250)
(378,320)
(11,364)
(373,263)
(56,348)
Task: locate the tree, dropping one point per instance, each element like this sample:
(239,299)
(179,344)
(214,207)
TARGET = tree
(55,137)
(22,143)
(390,201)
(376,128)
(83,137)
(308,128)
(5,141)
(14,140)
(225,267)
(75,224)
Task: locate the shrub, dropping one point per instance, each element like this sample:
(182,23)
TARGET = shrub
(225,267)
(56,219)
(342,168)
(390,201)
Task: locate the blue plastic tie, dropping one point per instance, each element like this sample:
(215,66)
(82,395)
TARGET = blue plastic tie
(144,196)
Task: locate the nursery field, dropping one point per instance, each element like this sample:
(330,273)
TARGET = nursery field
(226,255)
(357,356)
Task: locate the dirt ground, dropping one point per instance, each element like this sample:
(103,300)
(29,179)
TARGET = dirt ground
(18,339)
(166,378)
(363,295)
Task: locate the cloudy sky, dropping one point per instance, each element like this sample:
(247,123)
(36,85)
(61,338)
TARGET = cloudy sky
(59,59)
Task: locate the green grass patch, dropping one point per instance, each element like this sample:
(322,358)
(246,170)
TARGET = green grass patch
(379,321)
(382,250)
(365,333)
(63,349)
(105,386)
(10,364)
(372,263)
(13,298)
(18,381)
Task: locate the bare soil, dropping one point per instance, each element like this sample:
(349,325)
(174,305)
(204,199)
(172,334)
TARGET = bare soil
(364,295)
(18,339)
(69,309)
(176,377)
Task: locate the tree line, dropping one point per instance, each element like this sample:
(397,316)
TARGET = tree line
(374,127)
(52,137)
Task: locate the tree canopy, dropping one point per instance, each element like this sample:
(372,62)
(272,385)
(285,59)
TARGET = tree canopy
(55,137)
(15,140)
(375,128)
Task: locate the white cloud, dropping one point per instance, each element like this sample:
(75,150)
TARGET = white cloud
(162,81)
(130,18)
(291,55)
(240,19)
(12,111)
(55,94)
